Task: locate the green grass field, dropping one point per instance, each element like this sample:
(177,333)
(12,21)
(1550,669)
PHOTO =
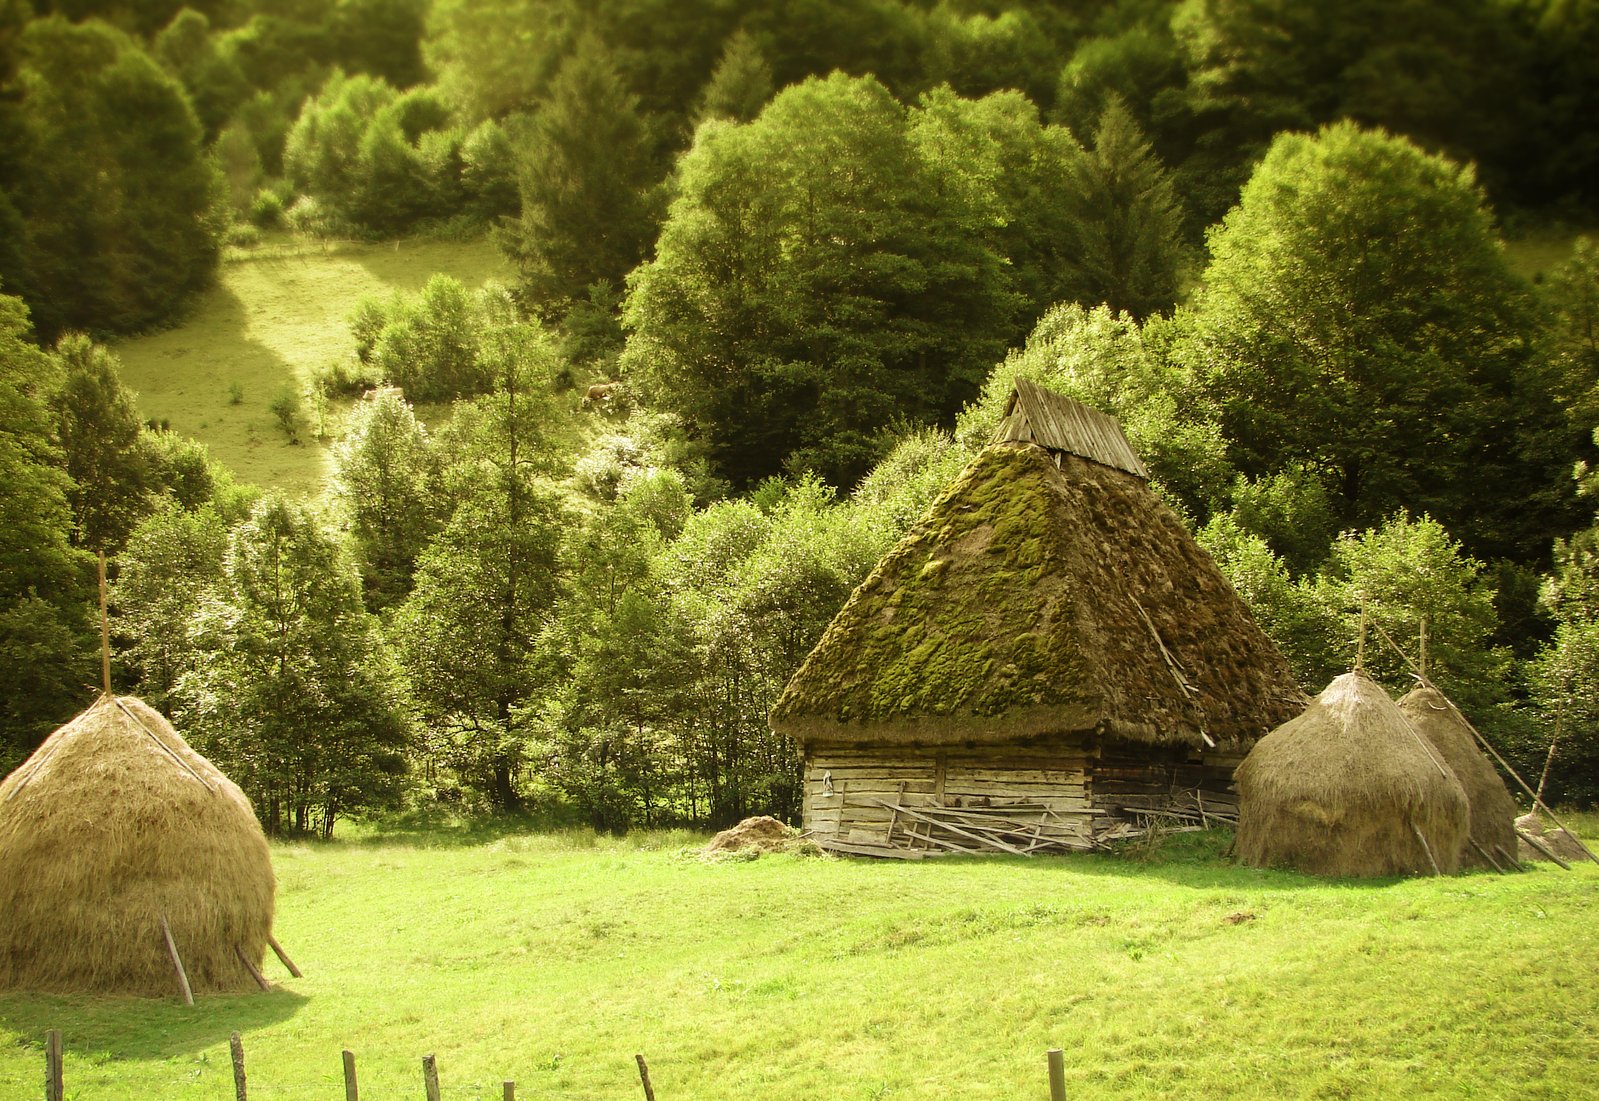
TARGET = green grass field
(552,959)
(278,311)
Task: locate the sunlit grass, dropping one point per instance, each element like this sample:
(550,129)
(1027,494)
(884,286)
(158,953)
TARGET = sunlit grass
(278,312)
(553,958)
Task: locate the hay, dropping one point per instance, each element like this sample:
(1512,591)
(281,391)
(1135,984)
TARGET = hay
(113,822)
(1493,811)
(764,834)
(1341,790)
(1558,841)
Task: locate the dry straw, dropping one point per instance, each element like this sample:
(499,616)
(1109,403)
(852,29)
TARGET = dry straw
(1350,788)
(1493,811)
(113,824)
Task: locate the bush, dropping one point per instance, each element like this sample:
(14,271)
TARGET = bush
(266,209)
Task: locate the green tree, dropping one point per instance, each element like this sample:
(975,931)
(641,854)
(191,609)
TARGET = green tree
(1125,221)
(813,281)
(588,175)
(431,346)
(102,446)
(1358,317)
(172,563)
(295,696)
(485,585)
(740,84)
(1570,338)
(381,470)
(118,201)
(44,580)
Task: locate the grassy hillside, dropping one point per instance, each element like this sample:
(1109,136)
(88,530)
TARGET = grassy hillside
(278,311)
(553,959)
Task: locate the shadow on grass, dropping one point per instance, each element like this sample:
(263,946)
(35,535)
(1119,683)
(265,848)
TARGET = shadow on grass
(123,1028)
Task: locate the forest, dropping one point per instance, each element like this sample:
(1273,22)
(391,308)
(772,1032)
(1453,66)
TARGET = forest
(777,264)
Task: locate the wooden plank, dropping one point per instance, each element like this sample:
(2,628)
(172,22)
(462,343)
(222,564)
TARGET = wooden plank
(851,848)
(177,962)
(914,813)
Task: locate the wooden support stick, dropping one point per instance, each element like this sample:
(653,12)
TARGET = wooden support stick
(352,1092)
(1538,844)
(255,972)
(1057,1074)
(1426,848)
(236,1045)
(54,1085)
(105,634)
(510,1091)
(283,956)
(177,963)
(1488,856)
(644,1075)
(430,1077)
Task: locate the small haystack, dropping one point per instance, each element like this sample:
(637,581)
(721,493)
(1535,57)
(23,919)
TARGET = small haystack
(763,834)
(1350,788)
(113,824)
(1492,839)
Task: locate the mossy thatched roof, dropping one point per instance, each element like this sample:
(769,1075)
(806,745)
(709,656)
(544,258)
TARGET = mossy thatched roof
(1041,595)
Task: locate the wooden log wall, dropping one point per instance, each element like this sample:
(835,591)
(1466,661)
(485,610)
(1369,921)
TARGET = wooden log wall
(1074,779)
(846,786)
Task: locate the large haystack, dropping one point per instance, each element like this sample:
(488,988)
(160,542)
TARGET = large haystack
(1492,841)
(114,822)
(1345,789)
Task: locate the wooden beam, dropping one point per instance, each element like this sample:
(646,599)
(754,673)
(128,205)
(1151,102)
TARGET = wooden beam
(177,963)
(255,972)
(283,956)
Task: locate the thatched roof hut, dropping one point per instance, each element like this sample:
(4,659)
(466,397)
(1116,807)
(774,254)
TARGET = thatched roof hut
(1050,632)
(1491,840)
(1350,788)
(1042,594)
(111,825)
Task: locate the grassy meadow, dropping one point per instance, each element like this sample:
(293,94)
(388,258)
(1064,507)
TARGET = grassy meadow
(552,958)
(278,311)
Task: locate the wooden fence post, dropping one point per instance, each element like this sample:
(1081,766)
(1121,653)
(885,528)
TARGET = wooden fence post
(430,1077)
(351,1091)
(236,1045)
(644,1074)
(54,1089)
(510,1090)
(1057,1075)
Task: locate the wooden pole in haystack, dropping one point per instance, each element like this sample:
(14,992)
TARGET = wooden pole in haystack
(177,963)
(105,634)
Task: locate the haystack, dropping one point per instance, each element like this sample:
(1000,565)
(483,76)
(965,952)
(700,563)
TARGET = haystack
(1350,788)
(761,834)
(113,824)
(1492,840)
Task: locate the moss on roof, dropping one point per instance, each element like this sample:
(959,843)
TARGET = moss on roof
(1028,601)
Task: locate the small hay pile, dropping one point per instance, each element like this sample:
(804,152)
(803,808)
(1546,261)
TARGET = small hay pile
(112,823)
(1344,789)
(1493,811)
(763,834)
(1557,841)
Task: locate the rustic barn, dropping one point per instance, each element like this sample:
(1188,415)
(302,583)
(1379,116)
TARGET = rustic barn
(1351,788)
(1045,661)
(122,848)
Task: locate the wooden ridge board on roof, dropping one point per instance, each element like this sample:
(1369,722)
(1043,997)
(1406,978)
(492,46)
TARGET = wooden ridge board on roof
(1056,422)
